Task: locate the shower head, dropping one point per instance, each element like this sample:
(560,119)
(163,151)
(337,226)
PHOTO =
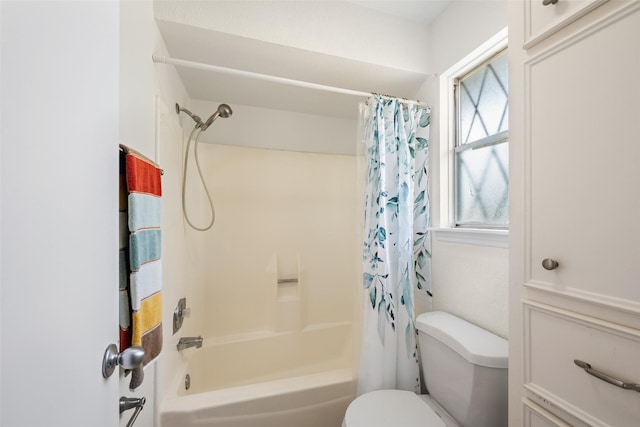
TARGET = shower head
(195,118)
(223,111)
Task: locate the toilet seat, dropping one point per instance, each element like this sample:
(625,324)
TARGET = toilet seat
(388,408)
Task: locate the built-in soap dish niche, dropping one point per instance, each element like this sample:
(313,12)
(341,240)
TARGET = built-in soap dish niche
(287,277)
(285,283)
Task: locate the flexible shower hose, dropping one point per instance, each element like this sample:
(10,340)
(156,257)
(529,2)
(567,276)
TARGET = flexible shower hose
(204,185)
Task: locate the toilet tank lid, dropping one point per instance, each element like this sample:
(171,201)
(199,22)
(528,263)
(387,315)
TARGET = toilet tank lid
(476,345)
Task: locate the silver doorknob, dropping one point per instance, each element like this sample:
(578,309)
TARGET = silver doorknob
(130,358)
(548,2)
(549,264)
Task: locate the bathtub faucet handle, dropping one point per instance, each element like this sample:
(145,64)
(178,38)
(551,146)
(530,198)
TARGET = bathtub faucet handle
(179,314)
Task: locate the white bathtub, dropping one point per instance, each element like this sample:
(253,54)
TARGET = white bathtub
(298,379)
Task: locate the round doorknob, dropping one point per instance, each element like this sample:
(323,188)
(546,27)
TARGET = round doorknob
(130,358)
(549,264)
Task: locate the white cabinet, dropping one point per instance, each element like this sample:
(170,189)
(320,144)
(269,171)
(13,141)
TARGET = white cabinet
(545,17)
(583,102)
(575,196)
(558,342)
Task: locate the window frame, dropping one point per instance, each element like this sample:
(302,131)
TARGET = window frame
(448,230)
(487,141)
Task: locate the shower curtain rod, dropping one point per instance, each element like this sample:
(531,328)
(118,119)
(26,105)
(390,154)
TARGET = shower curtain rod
(208,67)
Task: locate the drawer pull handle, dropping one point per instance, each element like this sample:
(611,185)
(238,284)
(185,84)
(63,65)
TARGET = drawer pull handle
(548,2)
(606,378)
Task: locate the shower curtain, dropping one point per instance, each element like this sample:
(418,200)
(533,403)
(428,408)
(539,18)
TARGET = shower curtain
(397,252)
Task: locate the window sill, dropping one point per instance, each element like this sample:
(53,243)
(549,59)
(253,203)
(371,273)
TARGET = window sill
(473,236)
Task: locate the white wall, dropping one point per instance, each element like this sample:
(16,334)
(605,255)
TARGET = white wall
(468,280)
(335,28)
(277,129)
(180,248)
(148,90)
(59,114)
(137,130)
(461,28)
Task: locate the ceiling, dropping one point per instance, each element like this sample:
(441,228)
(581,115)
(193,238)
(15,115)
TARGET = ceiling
(202,45)
(421,11)
(238,53)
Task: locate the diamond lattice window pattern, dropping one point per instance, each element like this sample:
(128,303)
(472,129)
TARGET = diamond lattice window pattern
(482,180)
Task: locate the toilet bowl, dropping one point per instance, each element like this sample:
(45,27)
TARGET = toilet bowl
(465,372)
(385,408)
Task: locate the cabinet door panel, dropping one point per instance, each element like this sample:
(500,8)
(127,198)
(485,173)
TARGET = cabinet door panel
(534,416)
(554,338)
(543,20)
(584,164)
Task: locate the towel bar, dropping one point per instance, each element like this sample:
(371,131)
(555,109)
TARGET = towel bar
(128,150)
(127,403)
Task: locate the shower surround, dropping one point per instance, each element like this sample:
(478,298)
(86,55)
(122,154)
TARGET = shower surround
(283,256)
(272,288)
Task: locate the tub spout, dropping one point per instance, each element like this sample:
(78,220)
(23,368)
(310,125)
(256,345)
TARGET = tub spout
(187,342)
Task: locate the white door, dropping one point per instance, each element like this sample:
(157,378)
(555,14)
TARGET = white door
(59,166)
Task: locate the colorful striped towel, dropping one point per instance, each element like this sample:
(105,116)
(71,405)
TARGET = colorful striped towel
(125,306)
(144,192)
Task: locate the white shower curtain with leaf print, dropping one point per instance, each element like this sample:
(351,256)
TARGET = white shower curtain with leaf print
(397,252)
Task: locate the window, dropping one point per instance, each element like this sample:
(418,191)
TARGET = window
(481,149)
(472,200)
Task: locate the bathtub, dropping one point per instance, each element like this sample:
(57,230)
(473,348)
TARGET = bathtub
(293,379)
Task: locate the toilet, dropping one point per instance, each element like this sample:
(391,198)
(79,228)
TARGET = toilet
(465,372)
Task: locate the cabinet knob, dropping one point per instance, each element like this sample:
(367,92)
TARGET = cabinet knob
(548,2)
(549,264)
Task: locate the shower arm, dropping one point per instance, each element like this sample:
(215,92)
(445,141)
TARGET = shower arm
(195,118)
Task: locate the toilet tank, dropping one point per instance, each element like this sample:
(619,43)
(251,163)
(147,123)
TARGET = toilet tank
(465,369)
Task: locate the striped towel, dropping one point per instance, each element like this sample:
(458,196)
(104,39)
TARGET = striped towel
(123,260)
(144,191)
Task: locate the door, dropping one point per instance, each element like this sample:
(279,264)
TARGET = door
(59,168)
